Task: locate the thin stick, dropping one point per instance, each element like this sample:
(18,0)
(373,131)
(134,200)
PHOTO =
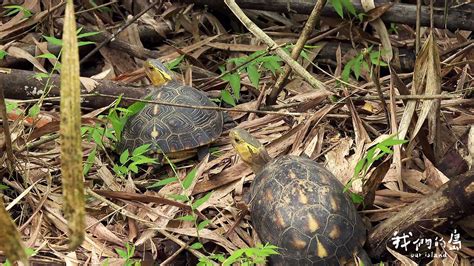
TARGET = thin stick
(215,108)
(418,26)
(252,27)
(6,131)
(295,53)
(118,31)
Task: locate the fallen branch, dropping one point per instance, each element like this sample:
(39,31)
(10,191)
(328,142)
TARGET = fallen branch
(22,85)
(451,202)
(457,18)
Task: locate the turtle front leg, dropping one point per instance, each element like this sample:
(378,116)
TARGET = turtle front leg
(202,152)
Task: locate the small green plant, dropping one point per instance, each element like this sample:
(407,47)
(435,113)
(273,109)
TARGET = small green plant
(15,9)
(247,64)
(344,5)
(393,28)
(358,63)
(243,256)
(128,255)
(253,65)
(192,202)
(130,162)
(3,54)
(58,42)
(174,63)
(373,154)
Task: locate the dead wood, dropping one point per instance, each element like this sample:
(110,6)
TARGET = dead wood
(457,18)
(20,84)
(133,50)
(451,202)
(148,35)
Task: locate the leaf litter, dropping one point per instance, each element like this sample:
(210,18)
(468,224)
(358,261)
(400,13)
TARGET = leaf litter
(338,128)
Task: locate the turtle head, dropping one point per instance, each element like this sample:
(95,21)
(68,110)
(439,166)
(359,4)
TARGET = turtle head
(250,150)
(157,72)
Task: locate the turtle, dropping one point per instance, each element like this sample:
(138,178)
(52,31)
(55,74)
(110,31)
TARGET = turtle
(178,132)
(299,206)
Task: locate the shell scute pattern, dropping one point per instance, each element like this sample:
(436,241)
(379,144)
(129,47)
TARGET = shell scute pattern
(170,129)
(300,207)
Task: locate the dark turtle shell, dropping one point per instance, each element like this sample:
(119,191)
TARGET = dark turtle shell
(300,207)
(172,129)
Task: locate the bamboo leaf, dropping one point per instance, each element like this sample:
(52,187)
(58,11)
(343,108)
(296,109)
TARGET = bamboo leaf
(70,132)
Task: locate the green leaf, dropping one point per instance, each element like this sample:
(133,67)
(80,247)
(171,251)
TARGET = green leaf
(89,162)
(203,224)
(349,7)
(201,201)
(393,142)
(3,187)
(16,9)
(188,180)
(356,198)
(338,7)
(384,149)
(133,167)
(34,110)
(141,149)
(47,55)
(53,40)
(140,159)
(254,75)
(227,97)
(360,164)
(135,108)
(122,253)
(3,54)
(87,34)
(187,218)
(304,55)
(347,70)
(356,69)
(12,106)
(179,197)
(83,43)
(164,182)
(40,76)
(175,62)
(124,157)
(196,245)
(234,81)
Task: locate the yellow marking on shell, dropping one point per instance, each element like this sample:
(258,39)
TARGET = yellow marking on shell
(292,174)
(321,250)
(154,133)
(279,219)
(303,199)
(156,109)
(313,224)
(299,244)
(334,204)
(269,195)
(335,232)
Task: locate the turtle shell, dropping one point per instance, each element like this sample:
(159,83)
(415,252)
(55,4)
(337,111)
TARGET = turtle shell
(172,129)
(299,206)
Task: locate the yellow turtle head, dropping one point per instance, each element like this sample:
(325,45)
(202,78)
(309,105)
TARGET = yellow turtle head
(158,73)
(250,150)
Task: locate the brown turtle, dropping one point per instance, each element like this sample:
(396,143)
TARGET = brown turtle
(299,206)
(177,132)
